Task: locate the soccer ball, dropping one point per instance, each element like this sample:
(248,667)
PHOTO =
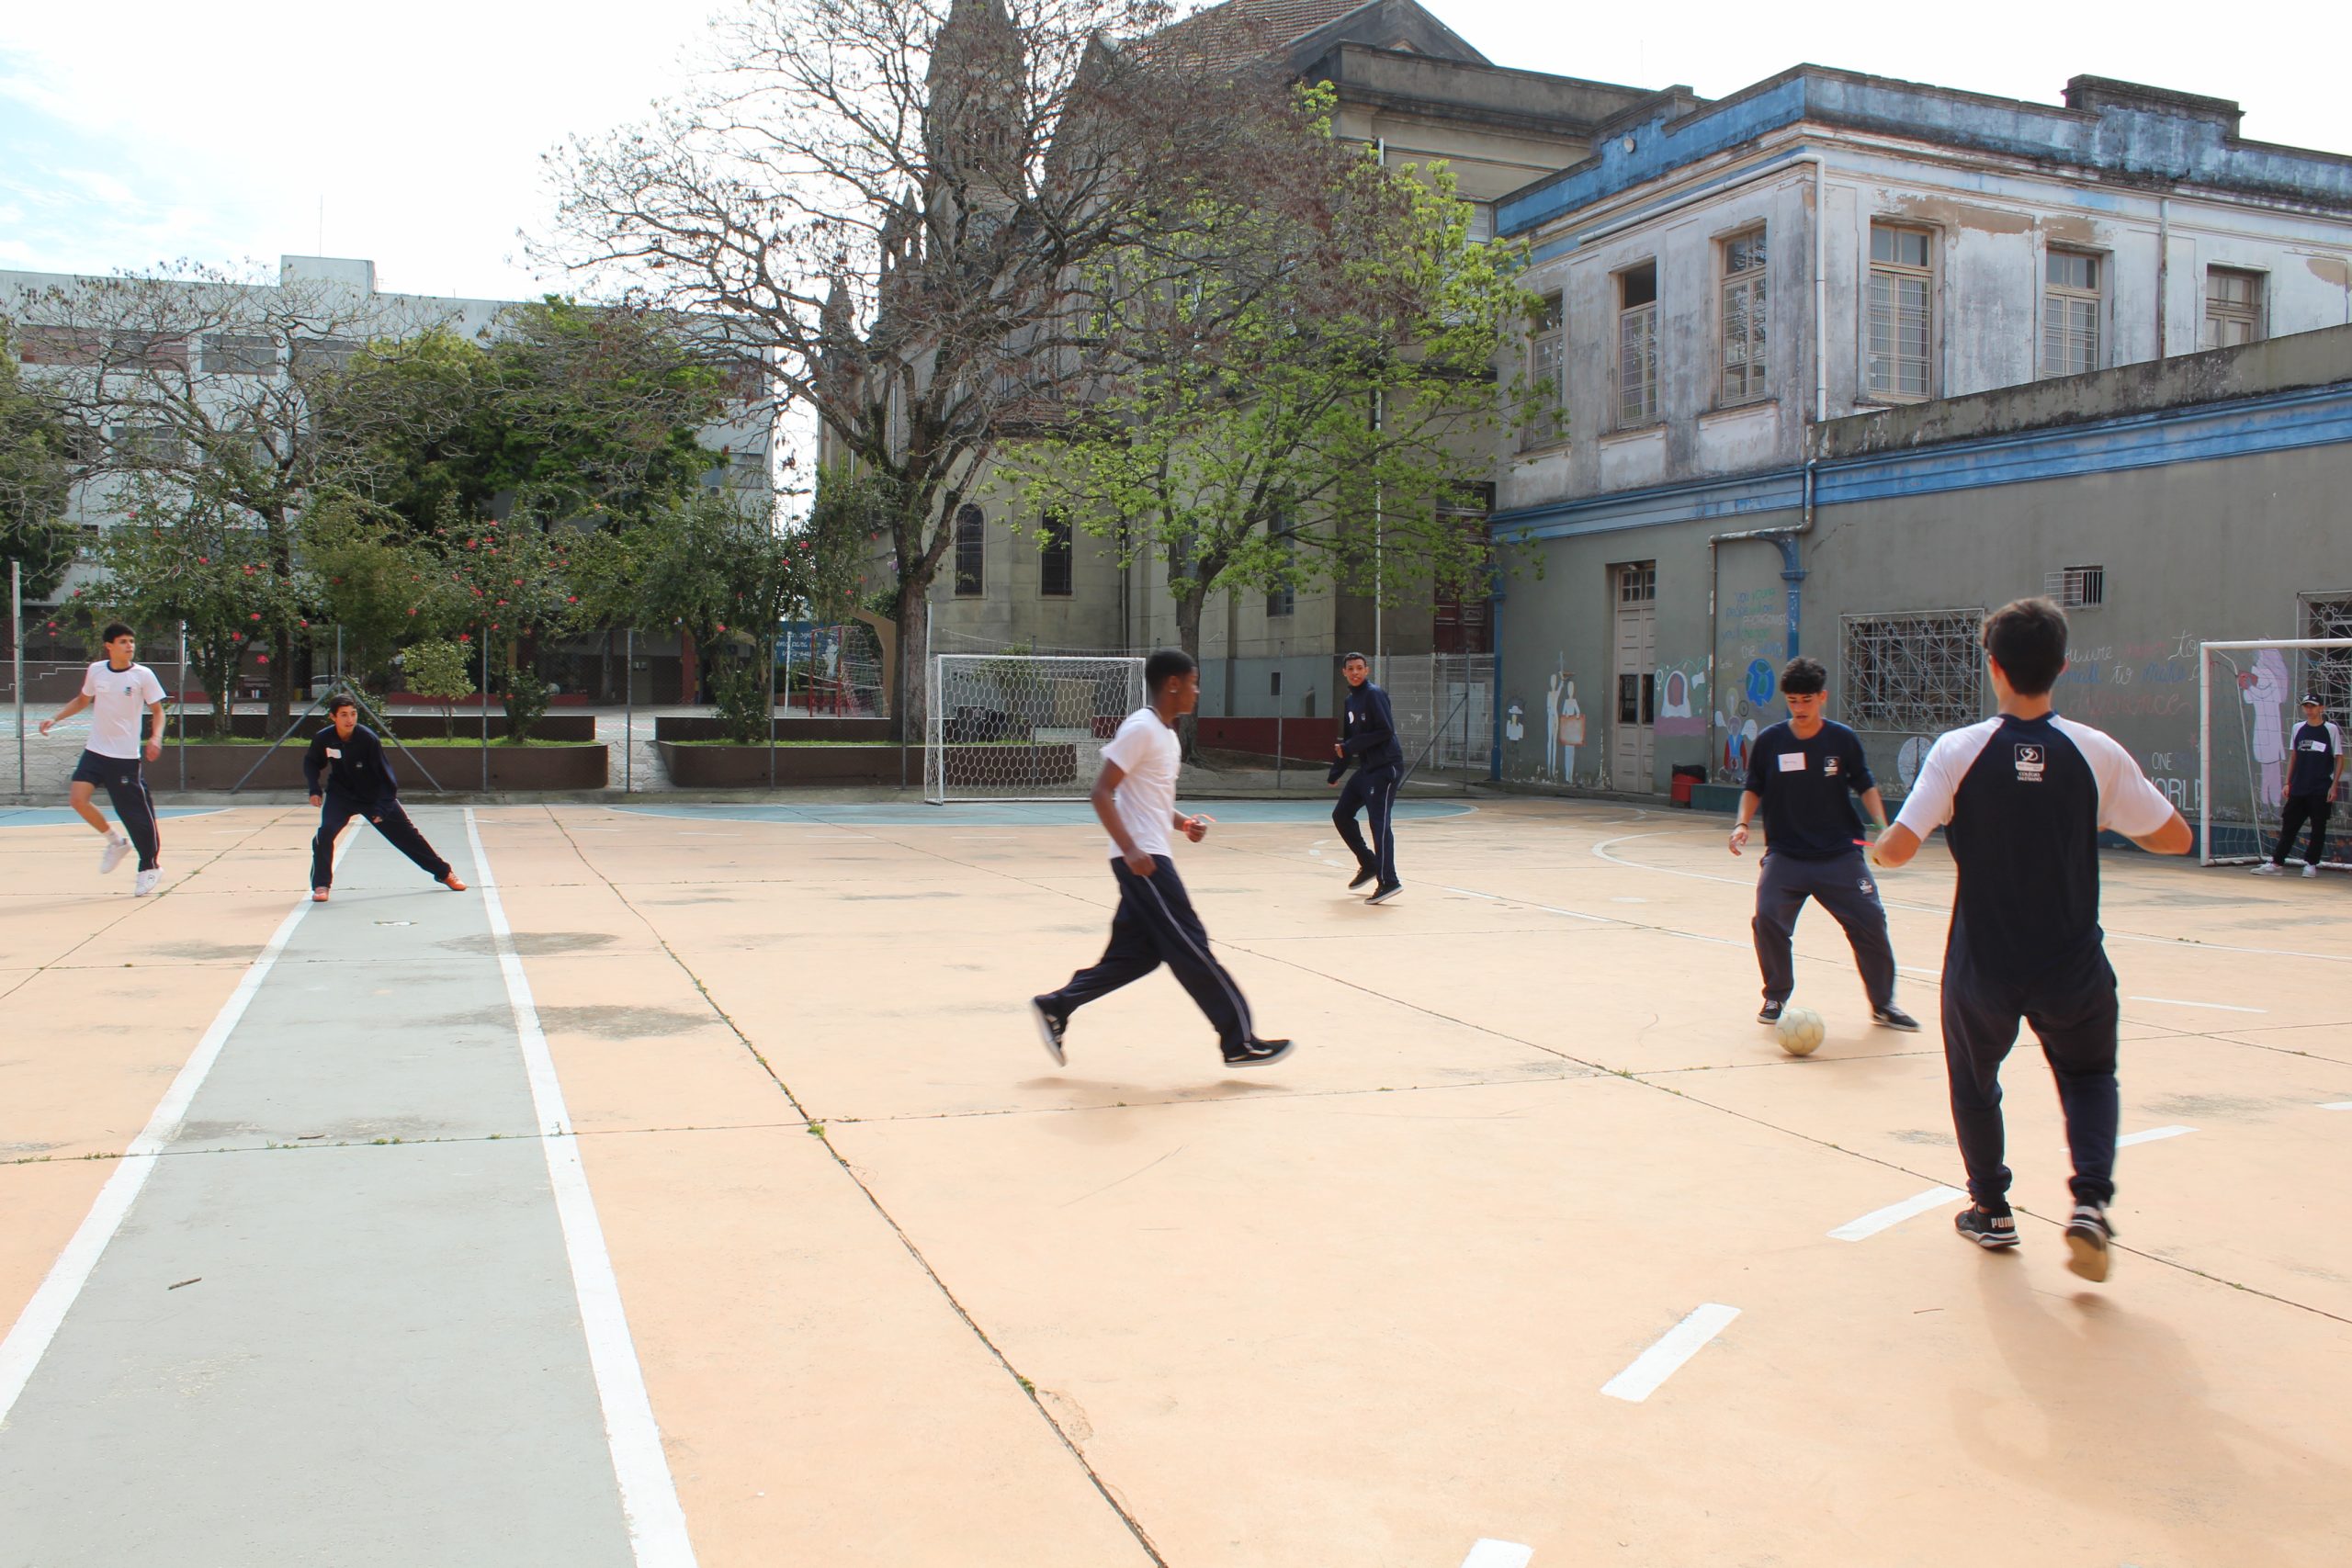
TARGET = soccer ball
(1800,1031)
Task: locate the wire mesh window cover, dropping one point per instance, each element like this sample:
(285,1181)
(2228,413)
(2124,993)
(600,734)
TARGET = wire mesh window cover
(2328,670)
(238,353)
(1902,309)
(1637,346)
(1918,673)
(2077,587)
(1054,558)
(1637,583)
(1546,415)
(2232,307)
(970,533)
(2071,303)
(1744,299)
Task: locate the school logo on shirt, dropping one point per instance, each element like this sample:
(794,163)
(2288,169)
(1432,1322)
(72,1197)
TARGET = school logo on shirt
(1829,766)
(2030,763)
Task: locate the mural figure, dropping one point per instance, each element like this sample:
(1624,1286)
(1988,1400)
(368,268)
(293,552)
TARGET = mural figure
(1552,722)
(1681,695)
(2265,693)
(1571,728)
(1513,731)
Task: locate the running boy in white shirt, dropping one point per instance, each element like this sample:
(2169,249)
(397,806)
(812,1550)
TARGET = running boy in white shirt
(114,690)
(1134,795)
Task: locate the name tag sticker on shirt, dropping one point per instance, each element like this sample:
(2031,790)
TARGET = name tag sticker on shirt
(2314,745)
(2030,763)
(335,753)
(1791,762)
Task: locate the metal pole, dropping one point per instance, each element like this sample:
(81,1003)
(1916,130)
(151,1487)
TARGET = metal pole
(770,677)
(484,698)
(2205,761)
(16,641)
(628,710)
(184,705)
(1278,748)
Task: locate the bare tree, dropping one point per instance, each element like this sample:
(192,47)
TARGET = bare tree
(211,387)
(891,207)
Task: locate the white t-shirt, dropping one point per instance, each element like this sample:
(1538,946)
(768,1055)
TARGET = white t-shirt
(1148,754)
(118,703)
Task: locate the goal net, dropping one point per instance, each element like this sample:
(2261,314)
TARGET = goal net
(1023,727)
(2247,695)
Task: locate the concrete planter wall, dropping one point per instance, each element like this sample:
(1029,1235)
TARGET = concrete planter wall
(703,727)
(569,726)
(456,769)
(739,767)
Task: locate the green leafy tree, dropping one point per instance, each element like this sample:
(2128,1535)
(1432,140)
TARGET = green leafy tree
(35,479)
(1300,406)
(442,669)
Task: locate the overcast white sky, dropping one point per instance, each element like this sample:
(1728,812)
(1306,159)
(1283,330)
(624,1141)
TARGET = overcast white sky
(140,131)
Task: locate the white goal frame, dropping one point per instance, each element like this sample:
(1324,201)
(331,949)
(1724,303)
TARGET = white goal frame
(947,762)
(2205,855)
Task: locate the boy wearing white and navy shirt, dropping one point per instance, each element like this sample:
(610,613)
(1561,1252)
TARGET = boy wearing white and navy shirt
(1135,798)
(118,691)
(2313,776)
(2022,798)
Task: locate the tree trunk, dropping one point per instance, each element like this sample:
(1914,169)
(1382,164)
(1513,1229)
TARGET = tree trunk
(911,686)
(281,680)
(689,670)
(1189,605)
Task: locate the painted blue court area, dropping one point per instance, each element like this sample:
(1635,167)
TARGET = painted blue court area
(50,816)
(1020,813)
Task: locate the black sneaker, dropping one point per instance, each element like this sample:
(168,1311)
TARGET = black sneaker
(1769,1013)
(1050,1026)
(1893,1017)
(1257,1053)
(1985,1228)
(1384,892)
(2087,1237)
(1363,873)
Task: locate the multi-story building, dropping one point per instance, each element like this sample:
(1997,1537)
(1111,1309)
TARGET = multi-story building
(1740,294)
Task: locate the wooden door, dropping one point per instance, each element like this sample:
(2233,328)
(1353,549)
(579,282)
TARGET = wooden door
(1633,754)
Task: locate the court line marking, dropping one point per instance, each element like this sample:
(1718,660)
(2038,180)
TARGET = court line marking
(44,1314)
(2177,1002)
(2151,1136)
(1894,1214)
(1663,1360)
(657,1524)
(1486,1553)
(2337,1105)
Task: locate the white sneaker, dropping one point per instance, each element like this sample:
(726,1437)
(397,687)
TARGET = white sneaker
(2311,871)
(112,856)
(146,883)
(2263,868)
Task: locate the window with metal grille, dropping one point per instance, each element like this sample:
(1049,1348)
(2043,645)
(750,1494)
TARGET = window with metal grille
(1544,419)
(1053,558)
(1637,346)
(1743,324)
(1902,302)
(2328,670)
(2077,587)
(240,353)
(1919,672)
(970,532)
(2232,307)
(2072,303)
(1282,598)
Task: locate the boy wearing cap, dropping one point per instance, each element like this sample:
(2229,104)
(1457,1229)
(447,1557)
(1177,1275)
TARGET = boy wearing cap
(2317,772)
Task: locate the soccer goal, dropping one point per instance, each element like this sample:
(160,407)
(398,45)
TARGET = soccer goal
(2247,694)
(1023,727)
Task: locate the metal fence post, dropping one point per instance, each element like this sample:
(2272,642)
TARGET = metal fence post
(628,710)
(485,709)
(183,706)
(16,642)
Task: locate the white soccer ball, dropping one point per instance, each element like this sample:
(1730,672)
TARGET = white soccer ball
(1801,1031)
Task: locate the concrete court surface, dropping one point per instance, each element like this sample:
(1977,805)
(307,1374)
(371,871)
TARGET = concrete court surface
(826,1263)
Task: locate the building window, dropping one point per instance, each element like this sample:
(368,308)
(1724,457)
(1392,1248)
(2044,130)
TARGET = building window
(1282,599)
(1053,558)
(969,533)
(1637,346)
(2077,587)
(322,355)
(1743,320)
(1481,222)
(1637,583)
(1545,418)
(1916,674)
(2071,307)
(2327,672)
(2232,307)
(240,353)
(1902,321)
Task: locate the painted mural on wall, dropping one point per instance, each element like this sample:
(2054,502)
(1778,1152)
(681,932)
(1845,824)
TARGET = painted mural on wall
(1550,743)
(1681,699)
(1751,636)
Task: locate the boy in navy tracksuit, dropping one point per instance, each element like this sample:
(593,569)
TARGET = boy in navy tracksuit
(350,776)
(2021,798)
(1805,773)
(1368,738)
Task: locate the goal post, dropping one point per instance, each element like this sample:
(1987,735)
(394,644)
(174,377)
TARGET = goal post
(1023,727)
(2247,693)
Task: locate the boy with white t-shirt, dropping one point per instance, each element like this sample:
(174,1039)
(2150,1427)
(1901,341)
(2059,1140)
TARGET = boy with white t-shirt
(1134,795)
(2022,798)
(114,690)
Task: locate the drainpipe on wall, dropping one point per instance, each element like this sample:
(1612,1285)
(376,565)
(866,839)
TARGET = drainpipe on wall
(2163,268)
(1494,697)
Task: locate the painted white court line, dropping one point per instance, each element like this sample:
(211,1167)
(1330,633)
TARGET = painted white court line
(2151,1136)
(37,1325)
(1894,1214)
(657,1524)
(1485,1553)
(1663,1360)
(2337,1105)
(2176,1002)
